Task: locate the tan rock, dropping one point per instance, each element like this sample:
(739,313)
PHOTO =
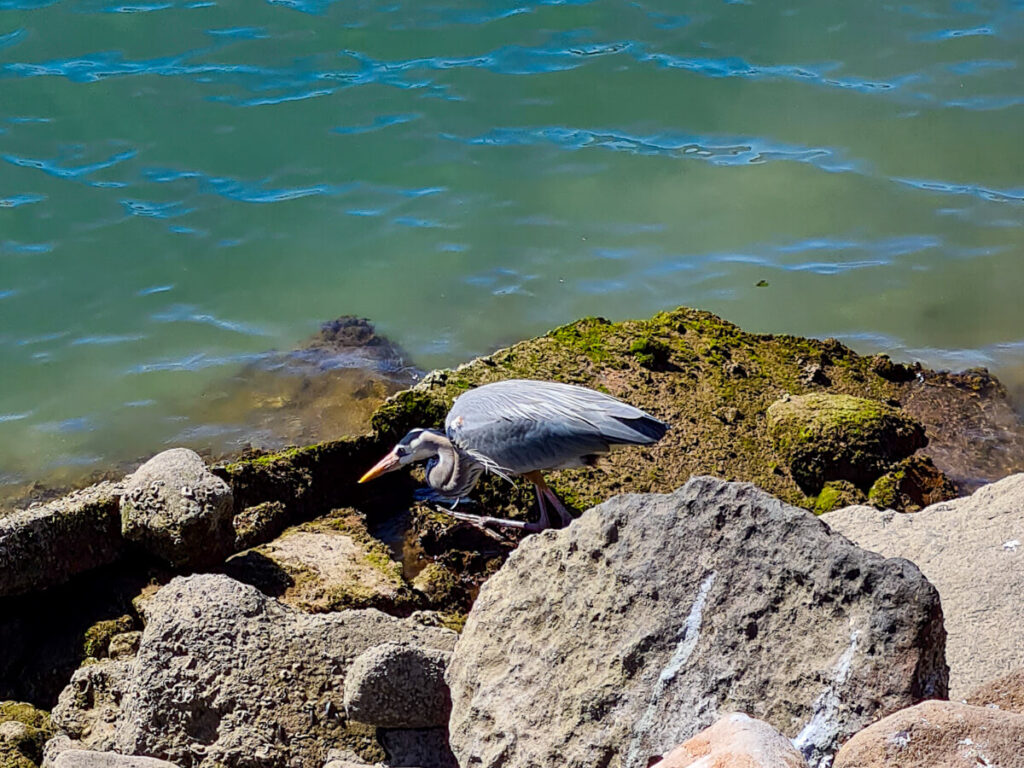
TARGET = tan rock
(1006,693)
(329,564)
(938,734)
(735,741)
(972,550)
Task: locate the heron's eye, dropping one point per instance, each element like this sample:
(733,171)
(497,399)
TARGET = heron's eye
(401,450)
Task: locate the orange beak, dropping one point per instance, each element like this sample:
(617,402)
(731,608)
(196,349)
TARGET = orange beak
(386,464)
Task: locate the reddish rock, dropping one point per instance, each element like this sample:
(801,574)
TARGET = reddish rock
(938,734)
(735,741)
(1006,693)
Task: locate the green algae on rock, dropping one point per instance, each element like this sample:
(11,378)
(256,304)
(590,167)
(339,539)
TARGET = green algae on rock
(24,730)
(96,642)
(826,437)
(910,485)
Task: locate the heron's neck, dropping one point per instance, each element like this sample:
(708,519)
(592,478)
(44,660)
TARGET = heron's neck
(452,472)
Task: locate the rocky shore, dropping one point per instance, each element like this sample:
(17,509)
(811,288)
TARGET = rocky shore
(818,566)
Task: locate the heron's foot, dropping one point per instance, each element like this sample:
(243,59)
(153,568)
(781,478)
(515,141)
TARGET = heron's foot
(490,523)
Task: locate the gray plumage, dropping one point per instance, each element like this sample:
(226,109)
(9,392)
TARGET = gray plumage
(520,427)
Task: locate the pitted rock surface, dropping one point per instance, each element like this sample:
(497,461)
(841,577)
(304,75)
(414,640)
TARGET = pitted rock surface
(615,639)
(177,509)
(735,741)
(399,686)
(972,550)
(226,676)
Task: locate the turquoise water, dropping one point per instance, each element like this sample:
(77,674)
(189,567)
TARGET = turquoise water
(187,185)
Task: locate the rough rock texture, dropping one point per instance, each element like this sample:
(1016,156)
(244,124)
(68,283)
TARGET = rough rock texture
(735,741)
(826,437)
(23,732)
(938,734)
(398,686)
(89,706)
(972,550)
(909,485)
(174,507)
(73,534)
(80,758)
(1006,692)
(611,641)
(329,564)
(227,676)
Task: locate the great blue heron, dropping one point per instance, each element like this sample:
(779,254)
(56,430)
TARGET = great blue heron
(520,427)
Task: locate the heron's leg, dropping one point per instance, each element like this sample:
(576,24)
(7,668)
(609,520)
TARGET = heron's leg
(543,489)
(538,485)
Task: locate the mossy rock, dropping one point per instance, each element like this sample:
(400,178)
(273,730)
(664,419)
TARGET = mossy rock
(328,564)
(836,495)
(96,641)
(24,730)
(910,485)
(825,437)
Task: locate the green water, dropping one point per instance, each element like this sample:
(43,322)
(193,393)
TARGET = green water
(185,186)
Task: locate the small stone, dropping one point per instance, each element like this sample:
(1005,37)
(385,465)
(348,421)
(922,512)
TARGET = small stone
(398,686)
(735,741)
(169,521)
(124,645)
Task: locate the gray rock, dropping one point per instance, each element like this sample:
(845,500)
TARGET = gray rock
(81,758)
(226,676)
(399,686)
(611,641)
(972,550)
(124,645)
(174,507)
(88,708)
(76,533)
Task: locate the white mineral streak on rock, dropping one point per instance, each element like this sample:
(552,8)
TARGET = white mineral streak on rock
(818,737)
(685,648)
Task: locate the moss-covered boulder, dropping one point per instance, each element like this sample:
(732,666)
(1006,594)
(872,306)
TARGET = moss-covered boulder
(96,642)
(836,495)
(825,437)
(910,485)
(329,564)
(24,730)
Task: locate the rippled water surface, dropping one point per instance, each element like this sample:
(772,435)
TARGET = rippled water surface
(187,185)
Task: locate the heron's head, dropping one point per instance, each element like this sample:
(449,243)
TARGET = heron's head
(418,445)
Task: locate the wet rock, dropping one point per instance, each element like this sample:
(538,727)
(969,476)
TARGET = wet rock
(227,676)
(1006,693)
(423,747)
(80,758)
(735,741)
(23,732)
(398,686)
(88,708)
(840,437)
(938,734)
(911,484)
(175,508)
(73,534)
(613,640)
(972,550)
(328,564)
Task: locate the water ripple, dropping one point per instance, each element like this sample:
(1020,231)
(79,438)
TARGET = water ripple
(12,38)
(170,210)
(1015,195)
(13,246)
(186,313)
(79,173)
(15,200)
(383,121)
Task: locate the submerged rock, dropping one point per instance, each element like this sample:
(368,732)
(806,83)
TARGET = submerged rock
(175,508)
(615,639)
(839,437)
(735,741)
(938,734)
(972,550)
(226,676)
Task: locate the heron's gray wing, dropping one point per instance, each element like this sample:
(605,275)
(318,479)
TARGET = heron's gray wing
(523,425)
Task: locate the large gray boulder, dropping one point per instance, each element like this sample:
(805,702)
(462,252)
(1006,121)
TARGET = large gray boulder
(972,550)
(89,706)
(613,640)
(174,507)
(47,544)
(226,676)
